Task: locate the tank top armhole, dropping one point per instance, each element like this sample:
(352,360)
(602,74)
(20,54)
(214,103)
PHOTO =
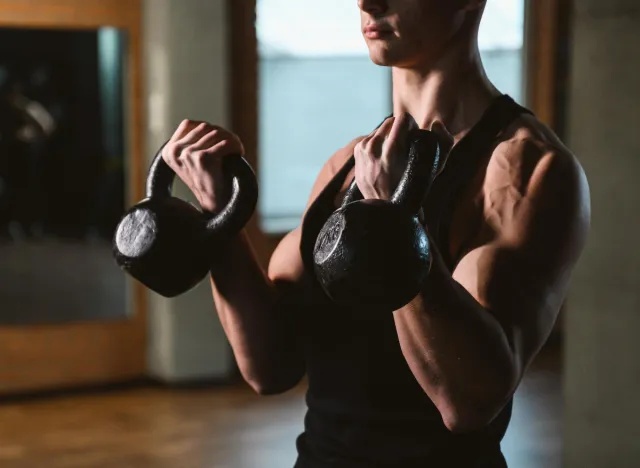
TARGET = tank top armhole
(462,166)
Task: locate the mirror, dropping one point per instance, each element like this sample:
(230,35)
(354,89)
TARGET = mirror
(62,174)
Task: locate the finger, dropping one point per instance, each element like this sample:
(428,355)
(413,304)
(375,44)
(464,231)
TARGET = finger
(171,150)
(376,142)
(185,134)
(378,136)
(385,122)
(203,159)
(374,146)
(205,148)
(399,130)
(362,145)
(396,145)
(171,155)
(385,128)
(365,141)
(445,138)
(182,129)
(194,134)
(208,140)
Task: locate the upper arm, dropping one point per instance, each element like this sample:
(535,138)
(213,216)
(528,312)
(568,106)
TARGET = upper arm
(536,201)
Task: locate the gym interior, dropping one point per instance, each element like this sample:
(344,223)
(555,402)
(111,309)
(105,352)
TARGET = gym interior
(96,371)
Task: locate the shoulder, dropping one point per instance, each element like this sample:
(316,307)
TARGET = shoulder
(527,147)
(532,162)
(339,159)
(535,186)
(331,167)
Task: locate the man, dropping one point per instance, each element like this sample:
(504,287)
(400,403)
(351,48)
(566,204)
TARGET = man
(429,384)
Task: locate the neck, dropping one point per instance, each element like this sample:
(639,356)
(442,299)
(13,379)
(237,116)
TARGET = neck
(454,90)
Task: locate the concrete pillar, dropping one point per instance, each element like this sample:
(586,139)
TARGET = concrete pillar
(185,52)
(602,365)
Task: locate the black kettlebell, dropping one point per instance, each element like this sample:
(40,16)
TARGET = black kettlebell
(374,255)
(168,244)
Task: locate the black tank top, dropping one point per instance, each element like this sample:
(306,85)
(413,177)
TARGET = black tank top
(365,407)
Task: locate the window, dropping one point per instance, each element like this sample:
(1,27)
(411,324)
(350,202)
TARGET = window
(318,90)
(501,40)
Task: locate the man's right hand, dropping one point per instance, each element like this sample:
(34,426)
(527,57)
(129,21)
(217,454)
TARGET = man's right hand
(195,153)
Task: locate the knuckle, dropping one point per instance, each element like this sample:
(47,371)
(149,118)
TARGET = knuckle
(166,153)
(182,160)
(186,126)
(171,151)
(200,156)
(197,158)
(374,140)
(380,136)
(185,155)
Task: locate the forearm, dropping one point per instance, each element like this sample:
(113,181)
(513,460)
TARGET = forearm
(257,318)
(458,352)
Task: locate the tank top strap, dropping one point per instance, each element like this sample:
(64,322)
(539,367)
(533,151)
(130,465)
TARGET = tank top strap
(322,208)
(319,211)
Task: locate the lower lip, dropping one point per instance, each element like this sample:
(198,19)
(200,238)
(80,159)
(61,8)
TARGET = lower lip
(377,34)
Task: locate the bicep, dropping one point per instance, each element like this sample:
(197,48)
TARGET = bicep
(286,264)
(524,296)
(523,275)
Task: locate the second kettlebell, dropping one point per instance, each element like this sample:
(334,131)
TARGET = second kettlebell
(374,254)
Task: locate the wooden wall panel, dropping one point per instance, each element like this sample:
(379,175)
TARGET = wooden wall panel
(541,52)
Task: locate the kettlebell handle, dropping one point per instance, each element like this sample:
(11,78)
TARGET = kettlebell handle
(353,194)
(160,178)
(422,167)
(241,204)
(423,163)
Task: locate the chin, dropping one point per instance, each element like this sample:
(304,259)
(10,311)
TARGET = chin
(377,60)
(383,60)
(381,56)
(385,54)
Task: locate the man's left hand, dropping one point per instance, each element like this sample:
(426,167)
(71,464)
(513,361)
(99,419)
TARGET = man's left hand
(381,157)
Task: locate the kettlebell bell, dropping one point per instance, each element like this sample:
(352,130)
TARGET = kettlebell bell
(168,244)
(374,254)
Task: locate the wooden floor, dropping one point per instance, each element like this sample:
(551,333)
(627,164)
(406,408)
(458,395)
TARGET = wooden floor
(152,427)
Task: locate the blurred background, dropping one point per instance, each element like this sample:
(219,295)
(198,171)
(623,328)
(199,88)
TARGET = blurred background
(95,371)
